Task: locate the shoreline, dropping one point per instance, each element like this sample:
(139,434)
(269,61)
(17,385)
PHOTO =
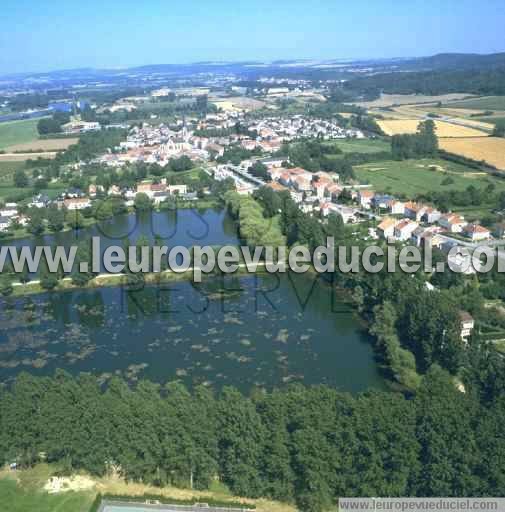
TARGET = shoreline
(89,222)
(116,280)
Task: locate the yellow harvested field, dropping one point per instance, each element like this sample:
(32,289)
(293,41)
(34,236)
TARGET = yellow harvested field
(387,100)
(489,149)
(21,157)
(444,129)
(238,103)
(43,145)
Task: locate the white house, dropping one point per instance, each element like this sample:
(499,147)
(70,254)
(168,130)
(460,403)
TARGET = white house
(396,207)
(8,212)
(467,324)
(431,215)
(476,232)
(386,228)
(452,222)
(177,190)
(404,229)
(4,223)
(77,203)
(365,198)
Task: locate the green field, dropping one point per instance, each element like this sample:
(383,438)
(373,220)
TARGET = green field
(26,494)
(485,103)
(491,120)
(7,188)
(18,132)
(362,145)
(413,177)
(7,170)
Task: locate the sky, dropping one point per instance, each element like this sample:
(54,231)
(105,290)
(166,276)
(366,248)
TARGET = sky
(45,35)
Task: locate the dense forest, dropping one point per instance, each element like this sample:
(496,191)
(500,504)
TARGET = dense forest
(303,445)
(473,81)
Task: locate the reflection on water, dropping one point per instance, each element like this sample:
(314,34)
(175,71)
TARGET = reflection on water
(252,330)
(246,331)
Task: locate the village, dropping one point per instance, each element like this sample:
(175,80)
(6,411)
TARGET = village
(204,141)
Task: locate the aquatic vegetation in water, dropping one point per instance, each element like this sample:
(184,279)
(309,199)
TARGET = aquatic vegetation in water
(282,336)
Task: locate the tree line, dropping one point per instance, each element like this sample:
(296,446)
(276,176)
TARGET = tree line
(422,144)
(305,445)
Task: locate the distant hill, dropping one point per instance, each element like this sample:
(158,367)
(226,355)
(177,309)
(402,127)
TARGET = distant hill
(457,61)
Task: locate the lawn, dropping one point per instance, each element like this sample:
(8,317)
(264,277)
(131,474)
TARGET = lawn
(18,132)
(26,494)
(413,177)
(484,103)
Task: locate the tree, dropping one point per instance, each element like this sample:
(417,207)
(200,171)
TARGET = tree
(83,255)
(335,227)
(55,218)
(260,170)
(499,128)
(75,219)
(48,125)
(35,224)
(48,279)
(20,179)
(5,285)
(270,200)
(180,164)
(142,202)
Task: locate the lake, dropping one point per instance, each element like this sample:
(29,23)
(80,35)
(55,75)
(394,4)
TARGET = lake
(247,330)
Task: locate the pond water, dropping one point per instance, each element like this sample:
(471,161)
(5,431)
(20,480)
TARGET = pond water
(248,330)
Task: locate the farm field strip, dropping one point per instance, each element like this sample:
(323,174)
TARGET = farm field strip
(42,145)
(387,100)
(488,149)
(18,132)
(444,129)
(482,103)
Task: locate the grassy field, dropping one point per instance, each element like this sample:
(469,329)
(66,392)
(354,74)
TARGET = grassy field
(362,145)
(491,119)
(484,103)
(7,170)
(18,132)
(489,149)
(7,188)
(57,144)
(410,99)
(23,491)
(413,177)
(396,127)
